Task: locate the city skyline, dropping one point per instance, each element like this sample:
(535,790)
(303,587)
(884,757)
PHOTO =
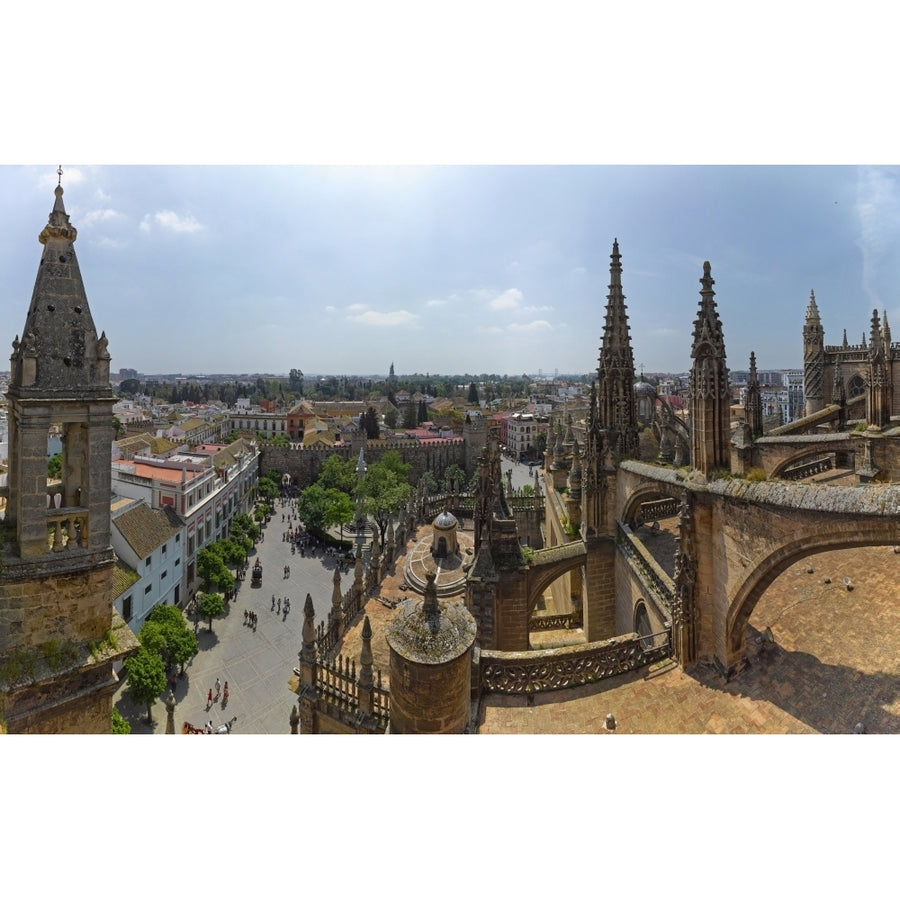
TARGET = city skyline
(347,269)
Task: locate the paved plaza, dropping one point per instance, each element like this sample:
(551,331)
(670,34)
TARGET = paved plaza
(257,664)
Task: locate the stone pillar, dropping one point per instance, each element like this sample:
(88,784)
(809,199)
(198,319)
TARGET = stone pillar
(295,720)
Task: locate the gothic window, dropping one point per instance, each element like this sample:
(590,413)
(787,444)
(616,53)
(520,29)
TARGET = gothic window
(642,625)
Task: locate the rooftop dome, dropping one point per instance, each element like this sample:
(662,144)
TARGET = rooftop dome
(644,389)
(446,519)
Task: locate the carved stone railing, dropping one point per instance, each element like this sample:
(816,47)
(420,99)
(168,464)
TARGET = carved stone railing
(555,622)
(536,671)
(657,582)
(658,509)
(805,470)
(67,528)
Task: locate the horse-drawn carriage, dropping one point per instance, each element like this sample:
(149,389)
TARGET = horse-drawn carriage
(256,575)
(209,728)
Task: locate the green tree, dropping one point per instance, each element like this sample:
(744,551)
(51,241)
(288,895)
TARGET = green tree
(268,488)
(386,489)
(120,725)
(130,387)
(473,393)
(454,474)
(338,473)
(54,466)
(210,566)
(410,416)
(370,424)
(339,509)
(210,605)
(311,507)
(146,678)
(180,642)
(295,381)
(390,418)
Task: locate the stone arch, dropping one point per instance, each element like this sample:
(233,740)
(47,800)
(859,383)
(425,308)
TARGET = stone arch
(547,568)
(808,452)
(644,494)
(641,624)
(881,532)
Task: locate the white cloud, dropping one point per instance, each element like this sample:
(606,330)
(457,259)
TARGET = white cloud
(531,327)
(436,303)
(69,177)
(877,204)
(171,221)
(531,310)
(509,299)
(357,308)
(110,243)
(382,319)
(330,309)
(483,329)
(99,215)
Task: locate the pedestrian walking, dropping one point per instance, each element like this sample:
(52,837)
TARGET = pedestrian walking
(279,604)
(273,601)
(218,688)
(209,699)
(225,695)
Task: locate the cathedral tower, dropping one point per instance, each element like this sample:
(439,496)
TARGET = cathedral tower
(57,636)
(615,385)
(813,358)
(708,395)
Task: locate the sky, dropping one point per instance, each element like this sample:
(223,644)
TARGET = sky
(360,186)
(455,269)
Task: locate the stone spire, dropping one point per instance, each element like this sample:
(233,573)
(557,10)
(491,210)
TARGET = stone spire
(813,358)
(708,393)
(753,402)
(593,477)
(880,387)
(337,608)
(60,352)
(308,635)
(615,371)
(885,332)
(366,659)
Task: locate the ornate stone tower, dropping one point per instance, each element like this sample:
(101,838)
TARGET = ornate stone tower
(813,358)
(880,382)
(708,394)
(615,385)
(58,637)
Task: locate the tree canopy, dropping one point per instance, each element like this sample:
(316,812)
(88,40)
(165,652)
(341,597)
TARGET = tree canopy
(386,488)
(146,678)
(210,605)
(178,641)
